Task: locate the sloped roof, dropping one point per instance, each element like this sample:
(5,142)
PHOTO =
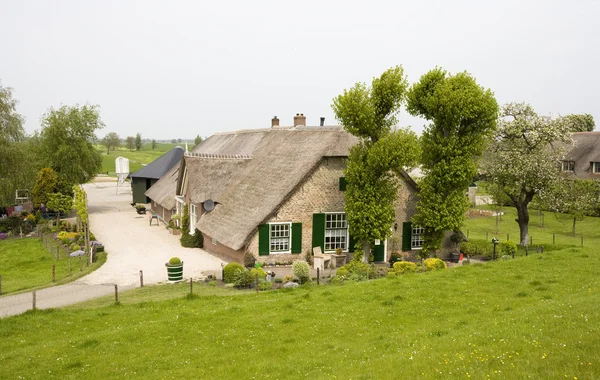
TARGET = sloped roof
(586,149)
(159,167)
(163,191)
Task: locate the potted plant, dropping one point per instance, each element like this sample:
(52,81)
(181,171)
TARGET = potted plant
(141,209)
(175,269)
(173,228)
(338,259)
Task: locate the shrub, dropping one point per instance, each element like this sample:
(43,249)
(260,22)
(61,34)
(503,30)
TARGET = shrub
(301,270)
(230,272)
(402,267)
(243,278)
(260,272)
(508,248)
(192,241)
(175,261)
(278,280)
(357,268)
(74,247)
(342,271)
(212,283)
(391,274)
(434,264)
(287,278)
(336,280)
(267,285)
(185,221)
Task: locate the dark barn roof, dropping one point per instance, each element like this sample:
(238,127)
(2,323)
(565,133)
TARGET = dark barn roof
(159,167)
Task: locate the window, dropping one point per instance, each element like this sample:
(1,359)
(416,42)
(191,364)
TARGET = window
(192,218)
(279,237)
(336,232)
(416,239)
(595,167)
(568,166)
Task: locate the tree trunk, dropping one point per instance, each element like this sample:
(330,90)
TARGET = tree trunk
(366,251)
(574,221)
(523,220)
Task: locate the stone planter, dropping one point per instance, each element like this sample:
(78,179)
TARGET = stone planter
(175,272)
(338,260)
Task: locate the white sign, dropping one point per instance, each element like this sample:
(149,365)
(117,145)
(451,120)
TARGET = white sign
(377,242)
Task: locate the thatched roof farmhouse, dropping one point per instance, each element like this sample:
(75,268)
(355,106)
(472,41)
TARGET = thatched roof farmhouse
(275,193)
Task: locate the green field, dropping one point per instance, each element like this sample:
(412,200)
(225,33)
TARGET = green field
(531,317)
(26,264)
(137,159)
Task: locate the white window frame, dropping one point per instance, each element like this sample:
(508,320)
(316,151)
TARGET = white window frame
(327,246)
(289,237)
(193,218)
(596,167)
(416,238)
(568,166)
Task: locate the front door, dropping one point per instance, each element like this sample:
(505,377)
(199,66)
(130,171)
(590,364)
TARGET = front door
(379,251)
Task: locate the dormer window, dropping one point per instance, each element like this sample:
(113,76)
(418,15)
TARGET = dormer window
(568,166)
(595,167)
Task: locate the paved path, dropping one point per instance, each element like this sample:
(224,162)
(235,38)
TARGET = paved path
(132,245)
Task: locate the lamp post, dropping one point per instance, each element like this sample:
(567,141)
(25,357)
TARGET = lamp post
(495,241)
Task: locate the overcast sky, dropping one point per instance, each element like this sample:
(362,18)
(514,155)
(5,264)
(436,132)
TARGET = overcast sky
(170,69)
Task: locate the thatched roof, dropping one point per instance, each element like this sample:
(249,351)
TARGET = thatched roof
(163,191)
(247,188)
(586,149)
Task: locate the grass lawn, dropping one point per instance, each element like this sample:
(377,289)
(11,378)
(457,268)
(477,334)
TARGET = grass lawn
(532,317)
(137,159)
(25,265)
(559,225)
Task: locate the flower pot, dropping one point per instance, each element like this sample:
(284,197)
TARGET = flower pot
(175,272)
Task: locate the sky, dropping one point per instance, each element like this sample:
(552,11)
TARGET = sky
(177,69)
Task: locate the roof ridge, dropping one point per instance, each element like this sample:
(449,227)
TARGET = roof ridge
(219,156)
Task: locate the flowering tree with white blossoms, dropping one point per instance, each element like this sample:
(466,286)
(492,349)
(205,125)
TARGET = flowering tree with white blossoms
(524,158)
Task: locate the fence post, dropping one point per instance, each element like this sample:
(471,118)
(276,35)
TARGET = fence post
(53,272)
(318,275)
(191,286)
(0,284)
(507,237)
(553,238)
(116,293)
(141,279)
(33,293)
(69,266)
(582,240)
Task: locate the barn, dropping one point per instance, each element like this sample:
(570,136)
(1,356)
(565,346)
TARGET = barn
(147,176)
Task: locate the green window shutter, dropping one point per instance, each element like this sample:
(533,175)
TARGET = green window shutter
(263,239)
(406,236)
(343,183)
(351,243)
(318,231)
(296,237)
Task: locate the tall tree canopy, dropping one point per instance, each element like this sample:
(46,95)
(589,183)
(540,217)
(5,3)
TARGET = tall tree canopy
(130,142)
(580,123)
(45,184)
(111,141)
(67,143)
(375,162)
(463,117)
(524,156)
(18,164)
(197,140)
(138,141)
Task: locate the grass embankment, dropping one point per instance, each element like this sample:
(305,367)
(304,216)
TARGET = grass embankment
(559,225)
(137,159)
(532,317)
(25,264)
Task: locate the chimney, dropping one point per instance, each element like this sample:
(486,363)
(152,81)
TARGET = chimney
(274,122)
(322,121)
(299,119)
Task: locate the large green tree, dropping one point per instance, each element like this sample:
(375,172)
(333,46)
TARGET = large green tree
(45,184)
(463,117)
(524,155)
(67,144)
(62,204)
(138,141)
(580,123)
(575,197)
(130,142)
(111,141)
(18,163)
(374,164)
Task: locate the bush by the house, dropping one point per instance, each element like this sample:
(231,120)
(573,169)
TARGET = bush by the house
(342,271)
(508,248)
(243,278)
(301,270)
(175,261)
(434,264)
(249,260)
(230,272)
(477,248)
(402,267)
(357,270)
(267,285)
(192,241)
(258,271)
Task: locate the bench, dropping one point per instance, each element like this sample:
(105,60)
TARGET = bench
(320,259)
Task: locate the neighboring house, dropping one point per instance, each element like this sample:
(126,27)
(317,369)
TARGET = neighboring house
(583,160)
(147,176)
(275,193)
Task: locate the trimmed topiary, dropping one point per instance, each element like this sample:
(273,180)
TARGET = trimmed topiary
(260,272)
(434,264)
(301,270)
(231,272)
(402,267)
(175,261)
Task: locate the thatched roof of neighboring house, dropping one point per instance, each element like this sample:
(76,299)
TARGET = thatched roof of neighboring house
(159,167)
(163,191)
(586,149)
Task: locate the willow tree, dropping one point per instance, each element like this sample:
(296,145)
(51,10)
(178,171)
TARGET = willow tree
(463,117)
(524,156)
(374,164)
